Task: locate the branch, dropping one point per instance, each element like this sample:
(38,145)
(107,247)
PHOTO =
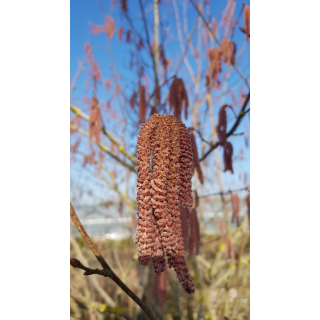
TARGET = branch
(104,148)
(223,192)
(107,271)
(121,148)
(233,129)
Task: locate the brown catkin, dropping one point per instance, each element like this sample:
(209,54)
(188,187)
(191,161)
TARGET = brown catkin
(235,202)
(95,124)
(184,216)
(214,56)
(153,110)
(246,11)
(124,7)
(142,104)
(192,234)
(228,51)
(162,294)
(227,157)
(196,232)
(145,235)
(222,125)
(196,162)
(195,199)
(178,98)
(248,205)
(155,285)
(186,164)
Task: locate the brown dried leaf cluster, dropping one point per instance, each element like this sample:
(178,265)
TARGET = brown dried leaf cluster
(95,124)
(142,104)
(178,98)
(163,185)
(246,11)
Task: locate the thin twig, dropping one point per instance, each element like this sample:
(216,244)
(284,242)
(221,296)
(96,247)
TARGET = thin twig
(108,272)
(223,192)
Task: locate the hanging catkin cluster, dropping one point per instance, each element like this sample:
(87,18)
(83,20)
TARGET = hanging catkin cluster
(178,98)
(163,186)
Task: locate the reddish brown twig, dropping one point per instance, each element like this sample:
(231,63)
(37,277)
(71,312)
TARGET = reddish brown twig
(107,271)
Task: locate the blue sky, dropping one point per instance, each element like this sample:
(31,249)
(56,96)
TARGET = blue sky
(83,12)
